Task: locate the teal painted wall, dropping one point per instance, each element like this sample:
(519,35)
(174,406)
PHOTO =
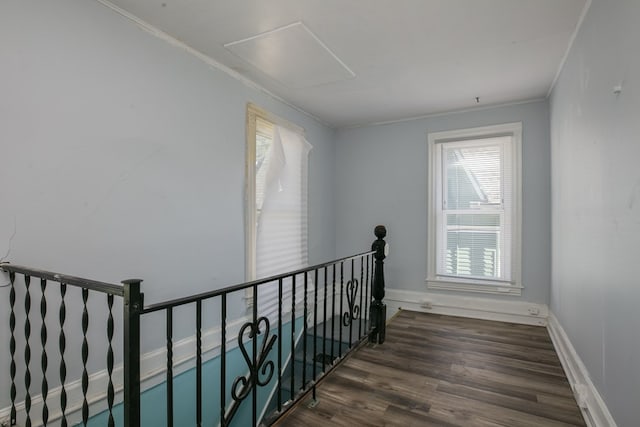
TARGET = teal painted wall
(154,404)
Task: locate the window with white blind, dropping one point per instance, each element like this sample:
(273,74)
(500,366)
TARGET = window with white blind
(276,217)
(474,209)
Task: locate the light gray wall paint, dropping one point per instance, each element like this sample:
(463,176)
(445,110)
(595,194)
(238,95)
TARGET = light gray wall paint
(382,179)
(123,156)
(596,202)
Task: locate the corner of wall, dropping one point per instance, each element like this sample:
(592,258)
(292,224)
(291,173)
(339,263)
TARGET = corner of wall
(594,409)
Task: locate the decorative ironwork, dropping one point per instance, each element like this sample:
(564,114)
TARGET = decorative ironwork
(43,357)
(12,345)
(27,350)
(353,312)
(85,356)
(262,366)
(256,350)
(243,385)
(110,388)
(62,344)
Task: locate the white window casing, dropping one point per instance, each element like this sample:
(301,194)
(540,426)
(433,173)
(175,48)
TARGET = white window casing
(475,210)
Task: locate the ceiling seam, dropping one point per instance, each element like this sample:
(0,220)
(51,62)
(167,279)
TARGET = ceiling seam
(569,46)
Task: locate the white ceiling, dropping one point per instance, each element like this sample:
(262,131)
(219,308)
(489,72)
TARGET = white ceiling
(410,57)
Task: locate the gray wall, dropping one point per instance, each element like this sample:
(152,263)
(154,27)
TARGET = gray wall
(381,173)
(123,156)
(596,202)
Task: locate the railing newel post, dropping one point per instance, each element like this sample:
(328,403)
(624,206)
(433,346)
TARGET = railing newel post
(132,308)
(378,309)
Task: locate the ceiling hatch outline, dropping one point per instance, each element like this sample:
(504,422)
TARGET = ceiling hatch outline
(292,55)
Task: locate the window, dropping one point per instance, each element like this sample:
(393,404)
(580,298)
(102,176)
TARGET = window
(474,210)
(276,208)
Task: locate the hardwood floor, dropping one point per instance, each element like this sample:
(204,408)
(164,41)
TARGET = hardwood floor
(446,371)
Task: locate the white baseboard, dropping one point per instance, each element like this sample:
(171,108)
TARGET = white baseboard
(464,306)
(594,410)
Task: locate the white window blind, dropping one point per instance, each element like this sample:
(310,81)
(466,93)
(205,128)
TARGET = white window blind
(280,210)
(474,229)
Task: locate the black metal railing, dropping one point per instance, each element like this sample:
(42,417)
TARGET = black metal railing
(323,313)
(20,282)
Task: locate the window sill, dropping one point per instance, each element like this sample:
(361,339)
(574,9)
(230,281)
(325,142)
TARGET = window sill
(495,288)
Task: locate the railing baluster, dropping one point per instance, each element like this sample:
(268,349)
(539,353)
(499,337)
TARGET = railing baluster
(223,358)
(27,350)
(280,336)
(12,346)
(293,333)
(43,356)
(361,296)
(304,334)
(333,312)
(110,388)
(254,357)
(367,297)
(199,363)
(340,312)
(85,356)
(354,285)
(315,330)
(169,334)
(324,322)
(62,344)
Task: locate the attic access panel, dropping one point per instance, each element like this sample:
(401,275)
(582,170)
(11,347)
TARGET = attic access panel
(293,56)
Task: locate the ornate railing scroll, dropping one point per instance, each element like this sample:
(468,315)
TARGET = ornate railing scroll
(353,309)
(261,370)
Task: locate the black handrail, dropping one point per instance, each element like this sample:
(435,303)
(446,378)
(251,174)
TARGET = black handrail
(93,285)
(230,289)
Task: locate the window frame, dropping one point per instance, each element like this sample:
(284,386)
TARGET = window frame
(435,190)
(254,112)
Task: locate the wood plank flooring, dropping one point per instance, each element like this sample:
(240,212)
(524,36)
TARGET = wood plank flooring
(446,371)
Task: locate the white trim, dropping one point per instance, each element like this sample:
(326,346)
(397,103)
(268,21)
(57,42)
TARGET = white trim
(594,410)
(522,312)
(583,14)
(434,281)
(488,288)
(445,113)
